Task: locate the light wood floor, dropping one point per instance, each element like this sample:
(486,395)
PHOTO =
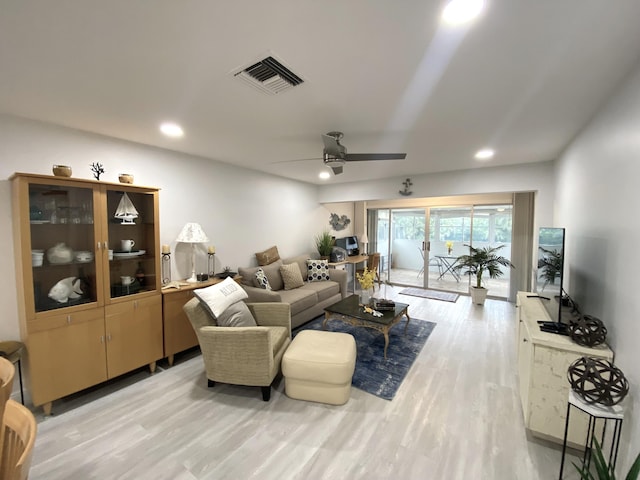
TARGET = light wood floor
(456,416)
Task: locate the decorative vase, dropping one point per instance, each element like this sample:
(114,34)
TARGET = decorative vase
(62,170)
(365,296)
(449,250)
(59,254)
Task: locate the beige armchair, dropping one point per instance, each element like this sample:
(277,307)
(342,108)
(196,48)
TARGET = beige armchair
(243,355)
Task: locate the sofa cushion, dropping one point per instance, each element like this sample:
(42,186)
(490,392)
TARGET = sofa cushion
(267,257)
(236,315)
(291,276)
(301,260)
(317,270)
(323,290)
(272,272)
(299,299)
(248,275)
(261,280)
(217,298)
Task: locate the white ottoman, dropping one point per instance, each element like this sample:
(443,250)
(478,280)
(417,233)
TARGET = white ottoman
(318,366)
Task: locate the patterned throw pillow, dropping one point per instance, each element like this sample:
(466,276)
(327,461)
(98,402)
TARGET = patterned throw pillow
(291,276)
(317,270)
(261,280)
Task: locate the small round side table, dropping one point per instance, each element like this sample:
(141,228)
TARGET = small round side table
(596,412)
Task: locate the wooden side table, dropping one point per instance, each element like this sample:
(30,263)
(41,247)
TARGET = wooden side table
(178,334)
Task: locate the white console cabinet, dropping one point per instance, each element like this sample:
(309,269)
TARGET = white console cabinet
(543,360)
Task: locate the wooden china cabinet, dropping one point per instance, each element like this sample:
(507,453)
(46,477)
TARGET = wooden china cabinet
(89,310)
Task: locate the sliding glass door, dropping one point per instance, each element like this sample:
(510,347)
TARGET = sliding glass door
(408,230)
(420,246)
(449,232)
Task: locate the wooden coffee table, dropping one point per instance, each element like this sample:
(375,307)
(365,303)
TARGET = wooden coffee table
(350,311)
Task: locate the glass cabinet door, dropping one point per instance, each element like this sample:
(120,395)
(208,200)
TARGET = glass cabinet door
(131,225)
(63,239)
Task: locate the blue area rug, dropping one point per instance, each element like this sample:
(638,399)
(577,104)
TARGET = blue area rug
(373,373)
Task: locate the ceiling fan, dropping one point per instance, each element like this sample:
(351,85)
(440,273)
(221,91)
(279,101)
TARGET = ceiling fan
(335,154)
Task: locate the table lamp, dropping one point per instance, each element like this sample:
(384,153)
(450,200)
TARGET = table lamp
(364,240)
(192,233)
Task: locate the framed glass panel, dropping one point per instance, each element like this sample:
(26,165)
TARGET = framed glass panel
(61,221)
(131,239)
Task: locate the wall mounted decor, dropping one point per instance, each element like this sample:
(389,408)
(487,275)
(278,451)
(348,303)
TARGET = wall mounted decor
(598,380)
(407,184)
(338,222)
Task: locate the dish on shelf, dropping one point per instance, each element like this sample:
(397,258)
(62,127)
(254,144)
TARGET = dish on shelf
(131,254)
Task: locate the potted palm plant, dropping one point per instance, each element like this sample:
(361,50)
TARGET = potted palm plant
(476,263)
(324,244)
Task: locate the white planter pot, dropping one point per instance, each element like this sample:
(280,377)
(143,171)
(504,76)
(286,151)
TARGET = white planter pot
(478,295)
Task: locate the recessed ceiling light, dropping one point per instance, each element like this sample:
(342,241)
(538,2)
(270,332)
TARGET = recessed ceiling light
(172,130)
(457,12)
(484,154)
(324,175)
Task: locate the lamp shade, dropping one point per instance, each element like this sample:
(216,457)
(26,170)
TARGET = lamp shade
(192,233)
(364,238)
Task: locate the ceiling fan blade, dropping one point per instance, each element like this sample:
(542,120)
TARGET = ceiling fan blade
(364,157)
(336,170)
(297,160)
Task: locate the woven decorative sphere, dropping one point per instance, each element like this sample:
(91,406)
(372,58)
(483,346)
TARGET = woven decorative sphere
(588,331)
(598,381)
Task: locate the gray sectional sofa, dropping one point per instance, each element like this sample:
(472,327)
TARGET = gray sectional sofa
(307,301)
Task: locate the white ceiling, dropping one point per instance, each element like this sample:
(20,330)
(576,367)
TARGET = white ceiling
(524,78)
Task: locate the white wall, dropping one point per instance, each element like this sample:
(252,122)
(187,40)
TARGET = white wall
(597,202)
(241,211)
(535,177)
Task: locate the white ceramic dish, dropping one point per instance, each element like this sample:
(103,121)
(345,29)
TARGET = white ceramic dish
(83,256)
(135,253)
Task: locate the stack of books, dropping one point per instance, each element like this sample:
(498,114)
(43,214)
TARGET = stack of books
(381,304)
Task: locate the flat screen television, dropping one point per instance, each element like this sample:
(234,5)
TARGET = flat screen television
(350,244)
(549,277)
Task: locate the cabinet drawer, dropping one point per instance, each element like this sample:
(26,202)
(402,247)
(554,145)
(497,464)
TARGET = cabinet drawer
(63,319)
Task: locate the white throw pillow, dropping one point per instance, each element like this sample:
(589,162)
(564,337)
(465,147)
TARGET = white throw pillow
(217,298)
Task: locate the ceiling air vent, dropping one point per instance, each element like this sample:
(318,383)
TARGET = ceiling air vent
(269,76)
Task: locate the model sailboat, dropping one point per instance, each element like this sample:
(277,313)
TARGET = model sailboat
(126,211)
